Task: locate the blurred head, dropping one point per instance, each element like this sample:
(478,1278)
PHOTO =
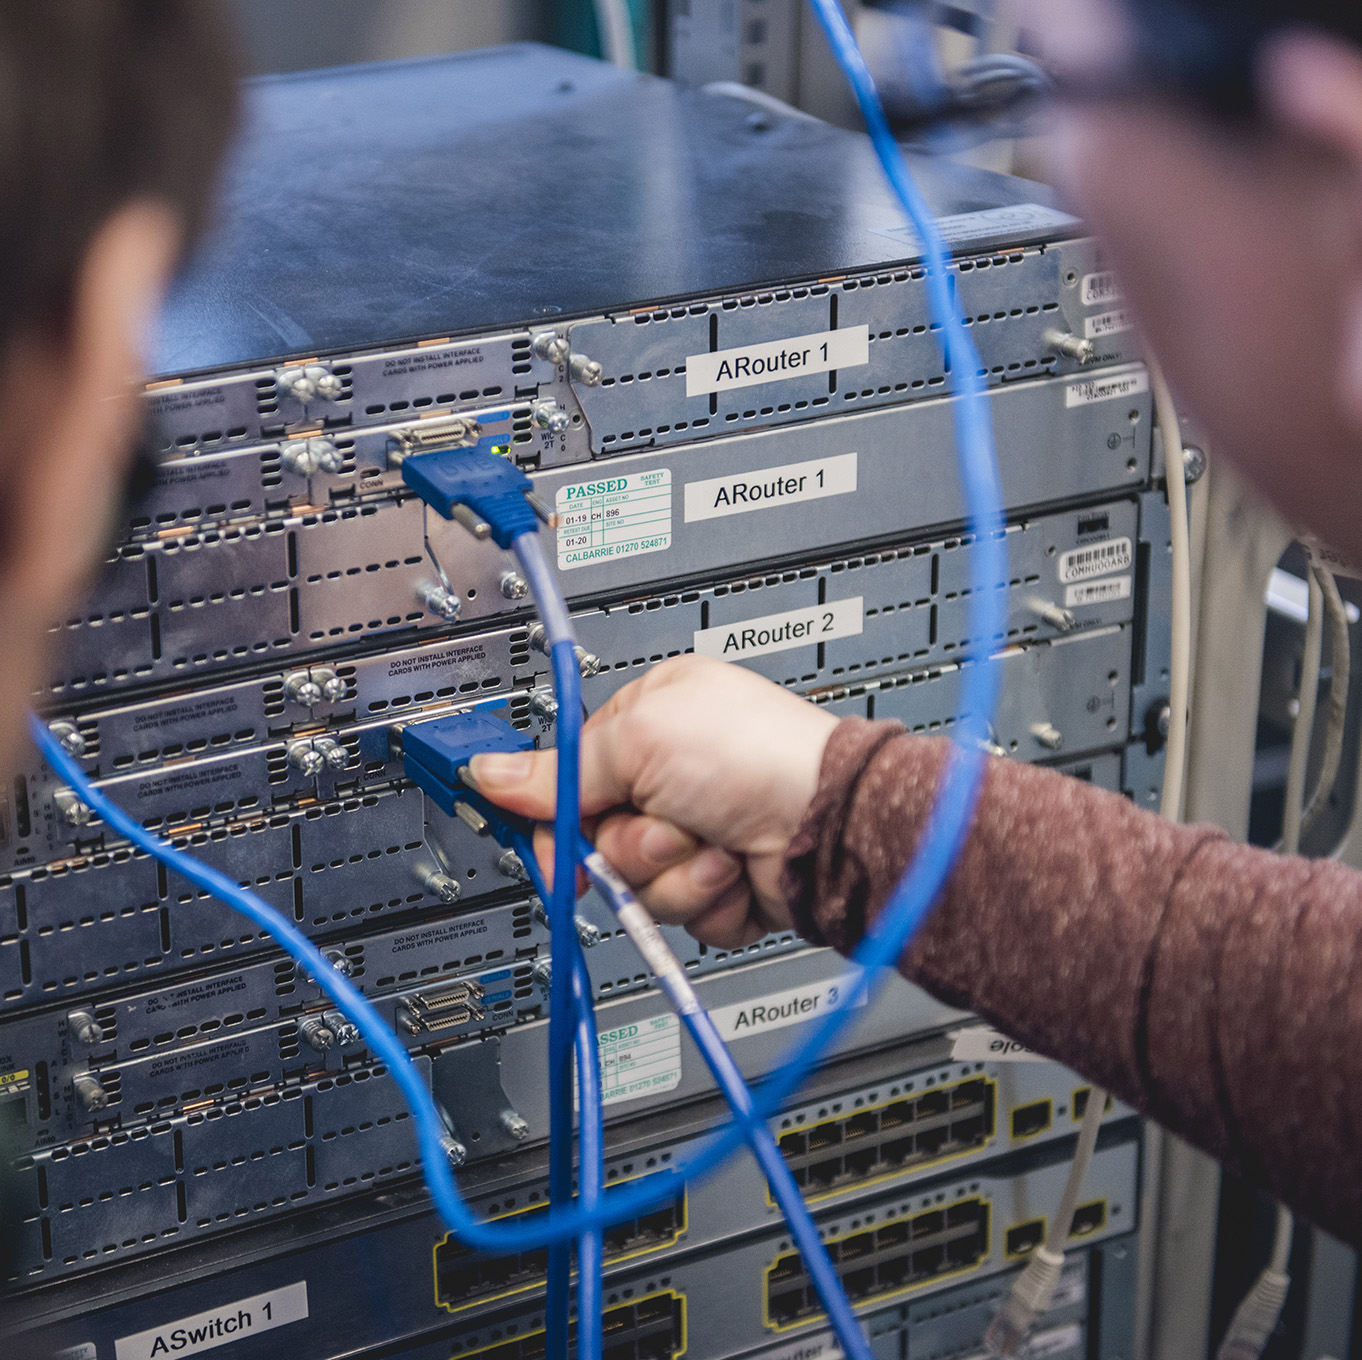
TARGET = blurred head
(1237,235)
(113,118)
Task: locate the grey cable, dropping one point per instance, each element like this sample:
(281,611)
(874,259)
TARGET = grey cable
(616,28)
(1336,711)
(1305,720)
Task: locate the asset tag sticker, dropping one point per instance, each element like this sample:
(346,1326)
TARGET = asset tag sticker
(218,1326)
(1108,323)
(1099,289)
(1097,559)
(614,517)
(639,1059)
(790,1007)
(788,484)
(776,360)
(1092,390)
(982,1044)
(779,632)
(1097,592)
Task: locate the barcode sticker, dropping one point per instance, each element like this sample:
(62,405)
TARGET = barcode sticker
(1092,390)
(1108,323)
(1097,592)
(1097,559)
(1099,289)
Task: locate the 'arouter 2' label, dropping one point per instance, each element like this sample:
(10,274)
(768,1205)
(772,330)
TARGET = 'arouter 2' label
(786,485)
(1097,559)
(614,516)
(776,360)
(780,632)
(790,1007)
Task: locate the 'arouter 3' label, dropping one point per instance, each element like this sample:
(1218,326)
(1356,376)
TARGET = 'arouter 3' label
(767,487)
(790,1007)
(780,632)
(776,360)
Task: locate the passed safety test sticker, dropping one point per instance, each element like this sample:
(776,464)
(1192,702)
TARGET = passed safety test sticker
(639,1059)
(612,517)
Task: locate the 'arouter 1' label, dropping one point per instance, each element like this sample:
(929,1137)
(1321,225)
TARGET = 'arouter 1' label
(1097,592)
(766,487)
(1100,288)
(614,516)
(776,360)
(1097,559)
(1128,384)
(780,632)
(790,1007)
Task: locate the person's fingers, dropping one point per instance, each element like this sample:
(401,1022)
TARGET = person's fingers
(729,923)
(680,894)
(520,781)
(642,847)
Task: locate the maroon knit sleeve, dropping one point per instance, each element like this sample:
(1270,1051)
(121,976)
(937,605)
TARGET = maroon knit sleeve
(1215,987)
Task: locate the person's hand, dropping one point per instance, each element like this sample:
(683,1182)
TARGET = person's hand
(700,774)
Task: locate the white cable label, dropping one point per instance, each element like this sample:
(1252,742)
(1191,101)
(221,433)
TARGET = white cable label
(218,1326)
(613,517)
(779,632)
(638,1059)
(1108,323)
(1097,559)
(776,360)
(790,1007)
(788,484)
(1093,390)
(1099,289)
(1097,592)
(982,1044)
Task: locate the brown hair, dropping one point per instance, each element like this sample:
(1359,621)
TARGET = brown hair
(101,101)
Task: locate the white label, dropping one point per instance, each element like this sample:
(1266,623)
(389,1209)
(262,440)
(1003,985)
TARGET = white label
(976,226)
(613,517)
(790,1007)
(776,360)
(640,1059)
(1093,390)
(1097,559)
(1050,1344)
(780,632)
(1099,289)
(85,1351)
(1097,592)
(218,1326)
(820,1346)
(982,1044)
(1108,323)
(759,490)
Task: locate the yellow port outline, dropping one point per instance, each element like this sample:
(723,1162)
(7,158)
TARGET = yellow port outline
(855,1187)
(876,1300)
(682,1227)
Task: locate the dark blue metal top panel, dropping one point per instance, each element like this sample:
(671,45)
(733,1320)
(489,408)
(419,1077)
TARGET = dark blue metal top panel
(375,204)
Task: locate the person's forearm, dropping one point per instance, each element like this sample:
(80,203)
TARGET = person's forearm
(1210,985)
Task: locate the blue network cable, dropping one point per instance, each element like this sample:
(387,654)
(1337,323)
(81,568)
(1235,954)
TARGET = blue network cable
(944,835)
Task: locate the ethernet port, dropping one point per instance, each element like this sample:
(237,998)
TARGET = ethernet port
(897,1151)
(1080,1102)
(861,1163)
(933,1103)
(858,1126)
(894,1115)
(788,1306)
(821,1175)
(931,1141)
(893,1274)
(928,1262)
(863,1244)
(892,1235)
(1025,1237)
(968,1132)
(964,1251)
(823,1136)
(1089,1218)
(1030,1120)
(787,1268)
(928,1225)
(793,1144)
(859,1283)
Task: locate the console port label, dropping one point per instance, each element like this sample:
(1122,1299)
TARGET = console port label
(1097,559)
(982,1044)
(759,490)
(780,632)
(776,360)
(639,1059)
(790,1007)
(1097,592)
(612,517)
(218,1326)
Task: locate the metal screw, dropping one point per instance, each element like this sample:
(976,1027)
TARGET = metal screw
(1193,462)
(318,1033)
(85,1029)
(89,1092)
(301,688)
(441,602)
(512,585)
(66,733)
(471,818)
(294,382)
(333,687)
(346,1031)
(586,371)
(306,456)
(1062,619)
(553,347)
(1071,346)
(324,382)
(537,637)
(543,702)
(1048,735)
(587,934)
(305,758)
(587,663)
(335,755)
(454,1151)
(72,811)
(542,972)
(548,415)
(339,962)
(440,885)
(515,1125)
(511,865)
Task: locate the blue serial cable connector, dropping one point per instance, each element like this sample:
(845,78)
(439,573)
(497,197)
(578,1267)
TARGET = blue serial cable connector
(479,489)
(434,751)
